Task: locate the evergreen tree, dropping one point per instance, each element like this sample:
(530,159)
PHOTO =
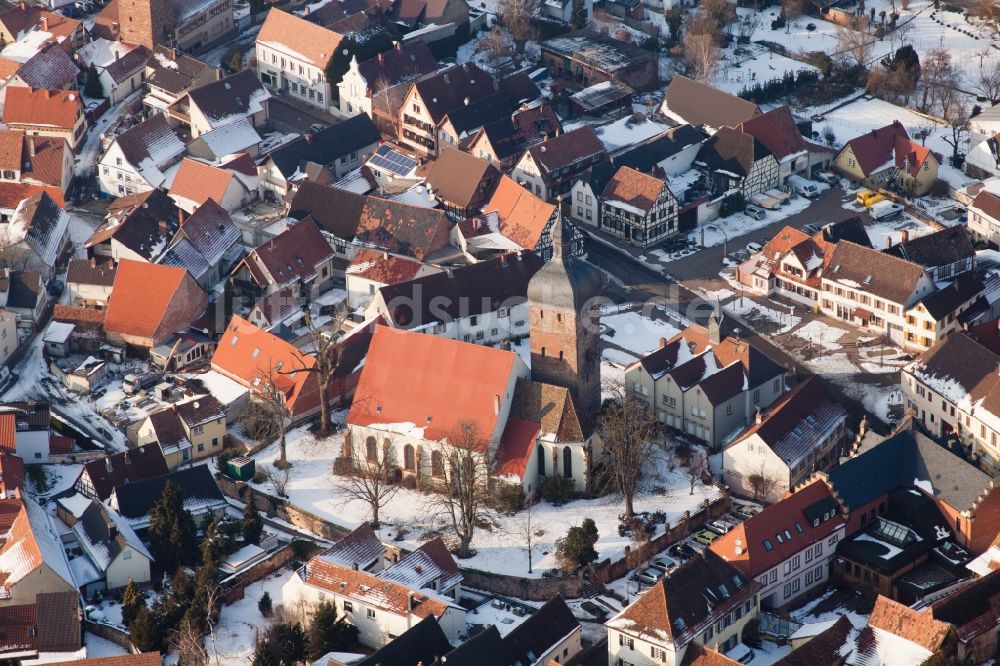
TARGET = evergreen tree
(132,601)
(171,530)
(579,17)
(287,642)
(92,86)
(577,547)
(327,633)
(252,525)
(144,632)
(265,655)
(265,606)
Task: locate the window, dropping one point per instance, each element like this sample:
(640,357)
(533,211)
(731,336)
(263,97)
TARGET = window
(371,450)
(709,633)
(625,641)
(773,576)
(348,607)
(658,654)
(409,459)
(201,447)
(768,545)
(127,554)
(437,464)
(371,613)
(215,442)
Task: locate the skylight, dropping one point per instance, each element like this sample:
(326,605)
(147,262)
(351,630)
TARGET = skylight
(767,545)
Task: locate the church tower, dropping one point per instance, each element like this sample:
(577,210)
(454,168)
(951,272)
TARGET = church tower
(565,335)
(146,22)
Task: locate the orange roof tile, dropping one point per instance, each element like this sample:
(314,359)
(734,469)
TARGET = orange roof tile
(55,108)
(76,313)
(199,182)
(11,474)
(11,142)
(143,659)
(246,354)
(8,68)
(300,37)
(8,432)
(523,216)
(432,382)
(140,297)
(918,627)
(12,194)
(516,447)
(634,188)
(383,267)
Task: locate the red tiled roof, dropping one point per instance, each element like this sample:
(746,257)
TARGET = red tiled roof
(11,474)
(432,382)
(752,557)
(292,255)
(60,443)
(918,627)
(777,130)
(634,188)
(314,42)
(911,153)
(17,629)
(699,655)
(523,216)
(516,447)
(56,108)
(199,182)
(383,267)
(8,432)
(11,194)
(141,296)
(76,313)
(143,659)
(875,148)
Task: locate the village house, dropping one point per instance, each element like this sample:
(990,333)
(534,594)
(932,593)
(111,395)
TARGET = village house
(380,609)
(186,431)
(11,476)
(736,160)
(485,302)
(968,610)
(298,257)
(788,547)
(699,104)
(138,157)
(88,283)
(361,550)
(29,159)
(362,82)
(202,497)
(370,270)
(503,141)
(428,567)
(44,628)
(704,384)
(671,153)
(896,631)
(222,102)
(36,235)
(461,183)
(53,113)
(120,67)
(24,295)
(196,182)
(393,168)
(206,244)
(777,132)
(339,148)
(984,217)
(218,145)
(705,602)
(944,254)
(800,433)
(32,559)
(150,302)
(24,18)
(112,553)
(293,57)
(586,193)
(637,207)
(887,157)
(548,169)
(458,125)
(27,432)
(98,478)
(585,57)
(188,26)
(170,73)
(49,67)
(893,296)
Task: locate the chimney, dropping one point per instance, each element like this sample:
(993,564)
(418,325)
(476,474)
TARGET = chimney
(398,45)
(380,58)
(888,241)
(118,55)
(410,600)
(31,145)
(757,417)
(44,22)
(180,216)
(496,405)
(906,236)
(173,54)
(24,6)
(448,272)
(163,227)
(354,565)
(107,464)
(663,343)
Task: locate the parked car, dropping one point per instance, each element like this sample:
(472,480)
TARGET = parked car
(811,228)
(884,209)
(682,551)
(741,653)
(317,127)
(719,526)
(663,563)
(754,247)
(649,575)
(705,537)
(755,212)
(56,288)
(827,177)
(867,198)
(804,187)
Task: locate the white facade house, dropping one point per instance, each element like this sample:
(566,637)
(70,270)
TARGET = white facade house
(293,55)
(29,423)
(138,157)
(984,217)
(381,609)
(111,548)
(370,270)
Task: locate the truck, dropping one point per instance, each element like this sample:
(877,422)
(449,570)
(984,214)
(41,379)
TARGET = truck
(765,201)
(884,209)
(804,187)
(133,383)
(866,198)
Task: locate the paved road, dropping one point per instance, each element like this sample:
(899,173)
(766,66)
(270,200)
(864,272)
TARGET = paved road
(707,263)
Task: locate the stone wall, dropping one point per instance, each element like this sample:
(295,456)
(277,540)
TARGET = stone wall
(234,585)
(119,637)
(532,589)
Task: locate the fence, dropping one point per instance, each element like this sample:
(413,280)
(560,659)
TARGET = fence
(119,637)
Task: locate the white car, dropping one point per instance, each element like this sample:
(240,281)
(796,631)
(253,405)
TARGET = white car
(755,212)
(754,248)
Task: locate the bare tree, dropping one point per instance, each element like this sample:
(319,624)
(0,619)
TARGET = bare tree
(955,112)
(701,56)
(496,48)
(988,83)
(322,362)
(854,42)
(632,439)
(762,483)
(278,477)
(697,467)
(516,16)
(793,8)
(746,26)
(464,498)
(371,482)
(526,529)
(936,76)
(190,643)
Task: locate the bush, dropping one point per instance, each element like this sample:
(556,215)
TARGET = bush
(557,490)
(265,605)
(259,476)
(224,457)
(577,547)
(341,466)
(509,498)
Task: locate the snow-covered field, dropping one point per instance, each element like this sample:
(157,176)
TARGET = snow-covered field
(240,623)
(635,333)
(313,486)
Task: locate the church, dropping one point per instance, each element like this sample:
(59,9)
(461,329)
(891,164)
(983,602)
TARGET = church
(531,416)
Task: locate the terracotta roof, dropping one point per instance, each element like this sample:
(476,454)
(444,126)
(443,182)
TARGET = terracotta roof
(382,267)
(18,629)
(680,607)
(84,271)
(199,182)
(142,462)
(432,382)
(777,130)
(73,313)
(910,155)
(732,150)
(827,647)
(141,296)
(11,194)
(449,89)
(634,188)
(918,627)
(874,272)
(299,37)
(386,595)
(24,18)
(46,165)
(523,216)
(8,432)
(517,445)
(11,143)
(54,108)
(971,609)
(168,429)
(460,178)
(143,659)
(988,203)
(550,407)
(294,254)
(406,61)
(32,543)
(11,474)
(403,229)
(702,104)
(58,616)
(699,655)
(246,354)
(875,149)
(754,547)
(8,67)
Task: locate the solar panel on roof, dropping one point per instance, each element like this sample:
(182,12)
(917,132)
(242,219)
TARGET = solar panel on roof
(388,159)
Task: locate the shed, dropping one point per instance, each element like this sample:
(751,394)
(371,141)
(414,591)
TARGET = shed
(56,338)
(241,469)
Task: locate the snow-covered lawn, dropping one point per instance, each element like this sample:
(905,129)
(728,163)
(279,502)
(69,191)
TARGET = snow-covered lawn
(241,622)
(313,486)
(892,230)
(635,333)
(821,334)
(832,364)
(101,647)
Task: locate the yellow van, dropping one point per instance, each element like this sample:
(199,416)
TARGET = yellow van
(866,198)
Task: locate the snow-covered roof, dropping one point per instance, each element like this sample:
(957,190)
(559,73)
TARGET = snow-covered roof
(235,137)
(57,332)
(222,388)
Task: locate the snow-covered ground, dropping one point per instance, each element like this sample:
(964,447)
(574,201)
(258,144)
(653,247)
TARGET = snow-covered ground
(635,333)
(882,232)
(101,647)
(751,310)
(241,623)
(730,228)
(821,334)
(314,487)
